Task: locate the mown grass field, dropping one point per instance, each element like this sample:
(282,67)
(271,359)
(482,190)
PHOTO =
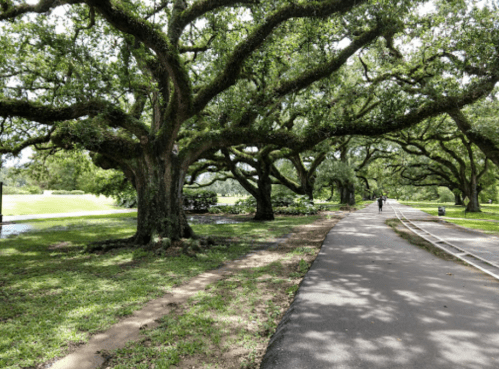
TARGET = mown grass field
(53,295)
(487,220)
(230,200)
(49,204)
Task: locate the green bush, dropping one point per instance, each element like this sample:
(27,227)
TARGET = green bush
(282,200)
(65,192)
(10,190)
(231,209)
(26,190)
(445,195)
(299,205)
(199,200)
(297,210)
(127,198)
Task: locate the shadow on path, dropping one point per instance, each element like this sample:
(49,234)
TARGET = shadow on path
(372,300)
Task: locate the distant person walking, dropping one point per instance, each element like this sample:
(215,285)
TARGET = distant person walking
(380,203)
(384,199)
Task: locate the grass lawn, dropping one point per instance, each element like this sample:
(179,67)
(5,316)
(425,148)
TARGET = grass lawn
(472,220)
(48,204)
(230,200)
(53,296)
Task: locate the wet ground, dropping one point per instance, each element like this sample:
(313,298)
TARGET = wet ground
(9,230)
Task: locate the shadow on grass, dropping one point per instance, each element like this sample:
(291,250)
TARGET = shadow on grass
(53,295)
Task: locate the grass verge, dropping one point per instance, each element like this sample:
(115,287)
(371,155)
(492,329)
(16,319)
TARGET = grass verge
(229,324)
(480,221)
(53,296)
(486,227)
(420,242)
(489,211)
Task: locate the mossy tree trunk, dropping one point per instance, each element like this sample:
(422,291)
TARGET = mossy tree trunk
(472,194)
(159,192)
(264,209)
(262,190)
(347,193)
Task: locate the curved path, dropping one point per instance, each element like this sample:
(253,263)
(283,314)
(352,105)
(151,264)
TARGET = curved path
(372,300)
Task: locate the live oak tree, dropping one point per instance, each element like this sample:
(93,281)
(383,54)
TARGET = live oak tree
(480,125)
(148,87)
(443,156)
(347,165)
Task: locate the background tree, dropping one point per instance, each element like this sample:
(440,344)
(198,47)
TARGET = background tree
(443,156)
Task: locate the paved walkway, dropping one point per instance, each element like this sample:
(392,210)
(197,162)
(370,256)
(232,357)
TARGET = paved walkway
(372,300)
(484,245)
(16,218)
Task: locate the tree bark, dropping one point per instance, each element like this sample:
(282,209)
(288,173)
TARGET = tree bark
(264,210)
(458,199)
(474,205)
(332,193)
(160,209)
(347,193)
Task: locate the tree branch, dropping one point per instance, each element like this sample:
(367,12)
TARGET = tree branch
(232,70)
(153,38)
(10,11)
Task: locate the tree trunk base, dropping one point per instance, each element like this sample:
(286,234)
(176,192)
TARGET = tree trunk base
(108,245)
(264,217)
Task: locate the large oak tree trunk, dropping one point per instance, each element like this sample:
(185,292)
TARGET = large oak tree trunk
(472,194)
(264,210)
(458,199)
(347,193)
(160,211)
(474,204)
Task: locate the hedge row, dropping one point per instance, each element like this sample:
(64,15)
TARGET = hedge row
(26,190)
(64,192)
(199,200)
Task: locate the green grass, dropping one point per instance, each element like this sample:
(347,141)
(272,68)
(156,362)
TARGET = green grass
(333,205)
(231,200)
(49,204)
(229,314)
(472,220)
(487,227)
(418,241)
(53,294)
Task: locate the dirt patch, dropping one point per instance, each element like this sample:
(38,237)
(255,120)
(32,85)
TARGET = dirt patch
(64,247)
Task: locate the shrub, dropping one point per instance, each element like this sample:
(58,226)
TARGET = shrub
(126,199)
(231,209)
(65,192)
(282,200)
(26,190)
(199,200)
(10,190)
(247,202)
(297,210)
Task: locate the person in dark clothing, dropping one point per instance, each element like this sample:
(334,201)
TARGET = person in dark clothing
(380,203)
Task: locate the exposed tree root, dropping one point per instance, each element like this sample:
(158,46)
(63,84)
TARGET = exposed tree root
(108,245)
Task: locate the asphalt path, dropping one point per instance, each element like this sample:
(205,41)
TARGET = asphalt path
(372,300)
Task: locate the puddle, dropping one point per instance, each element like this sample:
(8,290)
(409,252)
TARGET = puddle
(211,220)
(8,230)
